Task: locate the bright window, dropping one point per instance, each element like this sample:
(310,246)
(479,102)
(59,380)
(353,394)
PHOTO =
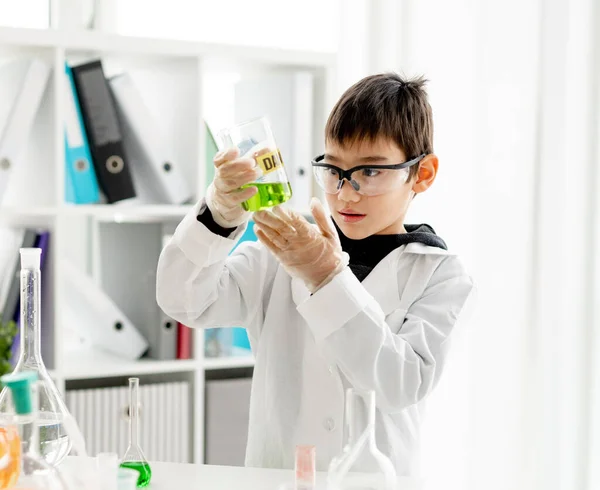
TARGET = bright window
(306,25)
(25,13)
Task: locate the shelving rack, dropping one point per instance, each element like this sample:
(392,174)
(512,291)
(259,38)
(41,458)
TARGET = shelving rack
(159,65)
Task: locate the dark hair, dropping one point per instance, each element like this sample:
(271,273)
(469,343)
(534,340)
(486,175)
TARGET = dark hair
(385,105)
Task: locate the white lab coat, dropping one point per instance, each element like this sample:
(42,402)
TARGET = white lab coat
(389,333)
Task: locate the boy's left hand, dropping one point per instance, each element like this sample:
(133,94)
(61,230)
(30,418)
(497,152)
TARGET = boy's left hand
(313,254)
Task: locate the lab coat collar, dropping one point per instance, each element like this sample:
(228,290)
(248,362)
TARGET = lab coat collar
(377,283)
(420,248)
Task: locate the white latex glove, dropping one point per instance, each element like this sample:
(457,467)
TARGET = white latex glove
(311,253)
(224,196)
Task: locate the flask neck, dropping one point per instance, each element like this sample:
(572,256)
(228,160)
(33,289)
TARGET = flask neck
(30,351)
(360,415)
(133,413)
(29,425)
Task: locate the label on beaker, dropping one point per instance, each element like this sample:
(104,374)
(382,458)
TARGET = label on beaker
(269,162)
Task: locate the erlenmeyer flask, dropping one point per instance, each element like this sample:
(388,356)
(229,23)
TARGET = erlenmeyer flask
(53,439)
(134,457)
(361,466)
(35,473)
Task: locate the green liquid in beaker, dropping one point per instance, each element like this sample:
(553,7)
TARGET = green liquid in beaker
(268,195)
(143,469)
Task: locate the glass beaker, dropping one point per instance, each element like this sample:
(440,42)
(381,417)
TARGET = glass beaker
(10,456)
(134,456)
(107,465)
(127,479)
(361,465)
(305,467)
(255,140)
(108,473)
(35,473)
(54,442)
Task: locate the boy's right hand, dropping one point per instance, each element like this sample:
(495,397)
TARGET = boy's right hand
(224,196)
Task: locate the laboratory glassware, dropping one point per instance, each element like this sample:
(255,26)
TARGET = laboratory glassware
(255,140)
(134,456)
(54,442)
(10,455)
(35,473)
(127,479)
(361,465)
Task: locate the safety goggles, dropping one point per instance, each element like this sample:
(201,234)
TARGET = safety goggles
(368,180)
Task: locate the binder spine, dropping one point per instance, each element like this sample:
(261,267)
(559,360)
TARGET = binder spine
(81,186)
(154,166)
(104,132)
(21,118)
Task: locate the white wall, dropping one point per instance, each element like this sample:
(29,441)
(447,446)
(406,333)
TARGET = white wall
(25,13)
(310,24)
(514,89)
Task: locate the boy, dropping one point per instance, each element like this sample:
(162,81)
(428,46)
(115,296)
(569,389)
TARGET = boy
(362,301)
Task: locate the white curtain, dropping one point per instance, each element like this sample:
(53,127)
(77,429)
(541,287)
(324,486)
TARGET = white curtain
(514,87)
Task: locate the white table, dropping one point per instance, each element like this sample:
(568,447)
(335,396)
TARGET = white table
(174,476)
(177,476)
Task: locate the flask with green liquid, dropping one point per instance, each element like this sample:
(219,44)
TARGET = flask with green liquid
(255,140)
(134,457)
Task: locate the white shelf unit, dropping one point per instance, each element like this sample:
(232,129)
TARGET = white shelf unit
(165,64)
(96,364)
(241,361)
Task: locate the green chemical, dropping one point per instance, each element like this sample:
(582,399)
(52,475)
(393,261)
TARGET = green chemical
(268,195)
(143,468)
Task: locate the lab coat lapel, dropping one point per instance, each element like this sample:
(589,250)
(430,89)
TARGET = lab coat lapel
(381,283)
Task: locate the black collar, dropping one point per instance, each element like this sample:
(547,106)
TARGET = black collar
(365,254)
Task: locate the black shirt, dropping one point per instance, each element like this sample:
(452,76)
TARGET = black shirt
(365,254)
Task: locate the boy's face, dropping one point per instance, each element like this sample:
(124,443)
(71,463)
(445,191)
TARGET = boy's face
(361,216)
